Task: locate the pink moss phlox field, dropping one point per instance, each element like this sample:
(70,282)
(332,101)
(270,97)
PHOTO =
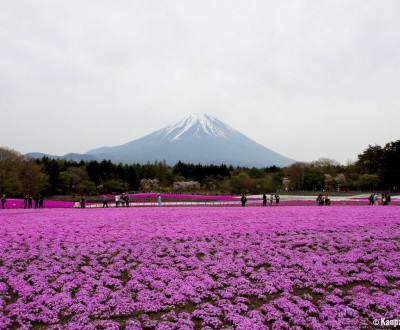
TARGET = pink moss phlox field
(191,268)
(19,204)
(186,196)
(170,199)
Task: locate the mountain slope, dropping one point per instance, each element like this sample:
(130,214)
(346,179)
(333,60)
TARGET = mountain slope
(198,138)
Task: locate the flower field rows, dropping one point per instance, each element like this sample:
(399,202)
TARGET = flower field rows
(199,268)
(150,199)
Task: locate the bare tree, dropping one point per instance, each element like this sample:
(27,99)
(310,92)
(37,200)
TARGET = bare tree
(10,162)
(32,178)
(296,173)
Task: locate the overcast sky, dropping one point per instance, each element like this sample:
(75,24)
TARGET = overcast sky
(307,79)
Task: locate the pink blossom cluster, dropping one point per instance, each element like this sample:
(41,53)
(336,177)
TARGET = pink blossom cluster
(150,199)
(187,196)
(14,203)
(191,268)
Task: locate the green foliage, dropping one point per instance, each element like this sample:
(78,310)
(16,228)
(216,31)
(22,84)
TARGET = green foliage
(314,178)
(10,164)
(268,184)
(297,174)
(256,173)
(368,182)
(64,179)
(391,170)
(114,185)
(371,161)
(242,183)
(31,178)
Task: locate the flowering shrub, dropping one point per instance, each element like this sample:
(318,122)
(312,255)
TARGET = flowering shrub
(211,268)
(184,185)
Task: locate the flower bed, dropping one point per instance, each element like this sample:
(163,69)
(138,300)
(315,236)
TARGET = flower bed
(150,199)
(192,268)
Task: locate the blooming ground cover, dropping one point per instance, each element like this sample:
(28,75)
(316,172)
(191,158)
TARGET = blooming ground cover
(191,268)
(150,199)
(138,199)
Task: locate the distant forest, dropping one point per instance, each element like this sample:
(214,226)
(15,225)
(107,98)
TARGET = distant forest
(376,169)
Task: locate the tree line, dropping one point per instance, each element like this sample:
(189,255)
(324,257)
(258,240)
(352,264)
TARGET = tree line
(376,168)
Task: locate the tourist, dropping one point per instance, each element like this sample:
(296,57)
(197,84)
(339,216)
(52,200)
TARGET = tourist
(36,200)
(327,200)
(272,199)
(264,200)
(388,198)
(376,199)
(3,200)
(116,200)
(82,202)
(41,201)
(277,199)
(105,201)
(25,201)
(320,200)
(159,201)
(371,199)
(126,199)
(243,199)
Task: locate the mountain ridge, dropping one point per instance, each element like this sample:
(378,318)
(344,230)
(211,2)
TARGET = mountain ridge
(197,138)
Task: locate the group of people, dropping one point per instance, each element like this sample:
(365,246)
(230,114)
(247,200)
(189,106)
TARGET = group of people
(120,200)
(37,200)
(273,197)
(30,200)
(323,200)
(374,199)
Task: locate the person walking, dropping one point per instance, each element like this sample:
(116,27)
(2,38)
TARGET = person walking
(383,199)
(264,200)
(82,202)
(25,201)
(371,199)
(376,199)
(387,199)
(126,199)
(272,199)
(243,199)
(41,201)
(30,198)
(277,199)
(320,200)
(3,201)
(105,201)
(159,201)
(36,200)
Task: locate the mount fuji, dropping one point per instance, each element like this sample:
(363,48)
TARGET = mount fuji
(198,138)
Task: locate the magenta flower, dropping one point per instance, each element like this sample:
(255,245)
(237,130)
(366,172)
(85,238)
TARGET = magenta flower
(192,267)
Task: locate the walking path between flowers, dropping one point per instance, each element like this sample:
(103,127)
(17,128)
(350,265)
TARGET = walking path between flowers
(150,200)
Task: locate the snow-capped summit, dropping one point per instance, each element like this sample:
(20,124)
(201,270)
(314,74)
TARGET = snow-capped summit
(197,125)
(198,138)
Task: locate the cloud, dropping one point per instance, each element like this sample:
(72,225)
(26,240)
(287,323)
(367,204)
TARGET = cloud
(77,75)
